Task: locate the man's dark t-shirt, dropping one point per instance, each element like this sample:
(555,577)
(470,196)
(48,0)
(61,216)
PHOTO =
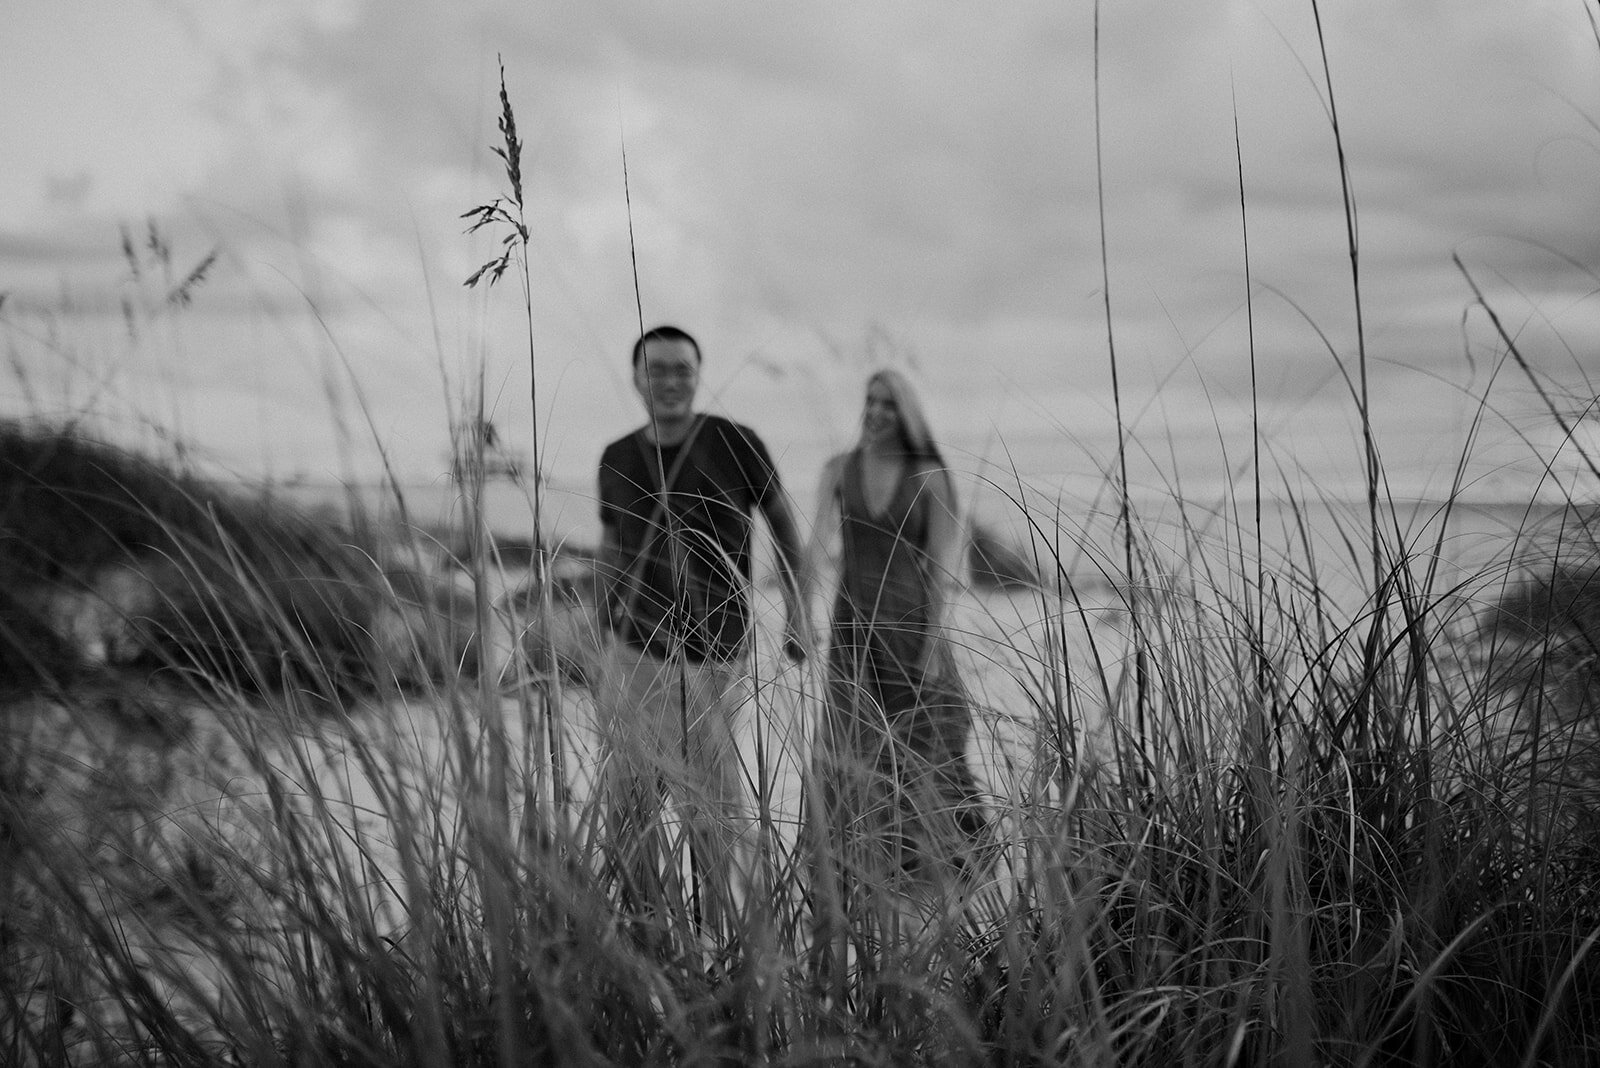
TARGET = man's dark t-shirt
(686,563)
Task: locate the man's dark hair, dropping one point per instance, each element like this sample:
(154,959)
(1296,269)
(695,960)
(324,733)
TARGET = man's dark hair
(665,332)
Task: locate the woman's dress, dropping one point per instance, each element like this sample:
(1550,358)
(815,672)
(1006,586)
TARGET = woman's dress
(895,784)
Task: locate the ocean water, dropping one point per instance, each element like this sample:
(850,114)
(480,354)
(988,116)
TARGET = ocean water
(1201,560)
(1075,532)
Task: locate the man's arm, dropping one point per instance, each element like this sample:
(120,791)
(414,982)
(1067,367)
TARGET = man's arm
(786,537)
(609,565)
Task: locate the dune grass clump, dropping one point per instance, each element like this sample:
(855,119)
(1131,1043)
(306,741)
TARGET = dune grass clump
(111,559)
(1328,852)
(1331,843)
(1546,629)
(1322,839)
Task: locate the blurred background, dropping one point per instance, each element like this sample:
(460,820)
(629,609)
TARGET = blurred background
(235,230)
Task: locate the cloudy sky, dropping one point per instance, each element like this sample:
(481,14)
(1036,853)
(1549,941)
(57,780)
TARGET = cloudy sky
(815,188)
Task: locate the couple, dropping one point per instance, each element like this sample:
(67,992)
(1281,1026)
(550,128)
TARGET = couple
(677,496)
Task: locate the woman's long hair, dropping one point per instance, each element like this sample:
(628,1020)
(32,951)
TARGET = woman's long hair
(916,436)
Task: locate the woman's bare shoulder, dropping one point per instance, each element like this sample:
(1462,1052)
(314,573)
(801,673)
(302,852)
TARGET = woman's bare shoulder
(834,467)
(929,476)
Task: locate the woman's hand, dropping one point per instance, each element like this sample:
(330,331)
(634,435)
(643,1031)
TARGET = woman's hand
(797,640)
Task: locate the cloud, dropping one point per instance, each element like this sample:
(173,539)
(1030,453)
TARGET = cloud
(806,181)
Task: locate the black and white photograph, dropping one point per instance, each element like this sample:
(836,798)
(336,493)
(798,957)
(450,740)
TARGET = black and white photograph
(628,532)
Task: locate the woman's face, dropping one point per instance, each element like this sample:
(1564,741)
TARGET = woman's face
(880,420)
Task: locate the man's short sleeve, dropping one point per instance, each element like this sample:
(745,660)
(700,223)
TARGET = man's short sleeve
(608,511)
(608,488)
(761,474)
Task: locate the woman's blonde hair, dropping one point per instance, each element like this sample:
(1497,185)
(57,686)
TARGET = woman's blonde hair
(916,437)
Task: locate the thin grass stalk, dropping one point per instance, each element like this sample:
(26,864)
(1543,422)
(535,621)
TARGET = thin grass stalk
(1567,435)
(498,873)
(146,1011)
(418,885)
(1353,248)
(1535,785)
(423,1027)
(1262,667)
(492,842)
(1363,705)
(674,538)
(1056,688)
(1553,999)
(1064,720)
(428,1031)
(761,876)
(550,703)
(1288,990)
(510,212)
(1424,984)
(1140,654)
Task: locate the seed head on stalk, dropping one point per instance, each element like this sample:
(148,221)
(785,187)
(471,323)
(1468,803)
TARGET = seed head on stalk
(509,211)
(499,893)
(499,210)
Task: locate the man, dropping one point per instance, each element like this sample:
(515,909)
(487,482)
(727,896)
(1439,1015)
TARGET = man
(677,499)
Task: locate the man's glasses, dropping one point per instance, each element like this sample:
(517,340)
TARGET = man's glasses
(680,371)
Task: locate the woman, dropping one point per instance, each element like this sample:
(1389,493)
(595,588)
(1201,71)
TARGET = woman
(895,795)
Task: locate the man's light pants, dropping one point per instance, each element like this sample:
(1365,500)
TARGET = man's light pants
(668,731)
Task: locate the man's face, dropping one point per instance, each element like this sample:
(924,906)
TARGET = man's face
(667,378)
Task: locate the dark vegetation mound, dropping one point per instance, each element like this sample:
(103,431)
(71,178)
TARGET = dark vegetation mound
(1544,629)
(997,564)
(111,561)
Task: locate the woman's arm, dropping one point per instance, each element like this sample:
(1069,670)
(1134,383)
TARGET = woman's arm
(945,543)
(824,528)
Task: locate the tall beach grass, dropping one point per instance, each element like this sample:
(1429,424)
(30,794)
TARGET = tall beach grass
(1319,851)
(284,789)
